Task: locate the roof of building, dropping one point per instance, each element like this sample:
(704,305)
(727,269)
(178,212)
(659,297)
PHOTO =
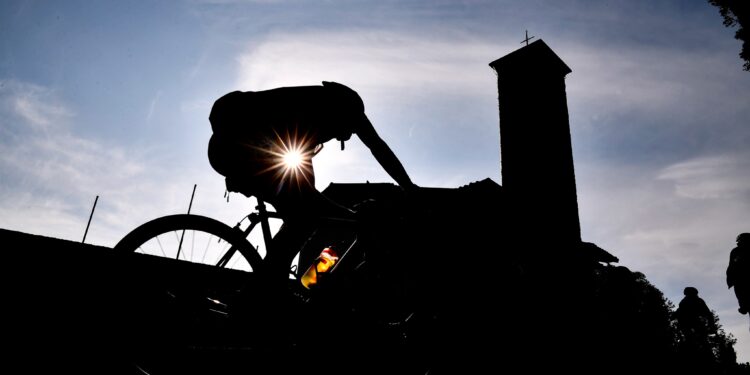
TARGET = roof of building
(536,57)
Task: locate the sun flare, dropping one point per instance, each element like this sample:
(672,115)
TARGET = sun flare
(292,159)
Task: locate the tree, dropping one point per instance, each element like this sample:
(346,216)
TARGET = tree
(735,13)
(703,347)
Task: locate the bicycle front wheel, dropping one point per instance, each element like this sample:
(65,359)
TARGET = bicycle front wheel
(193,238)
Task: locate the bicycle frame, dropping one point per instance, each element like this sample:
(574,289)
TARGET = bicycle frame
(261,217)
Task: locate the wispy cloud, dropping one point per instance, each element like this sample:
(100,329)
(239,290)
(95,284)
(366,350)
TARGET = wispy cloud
(47,172)
(36,106)
(650,78)
(367,59)
(46,151)
(49,176)
(722,176)
(152,106)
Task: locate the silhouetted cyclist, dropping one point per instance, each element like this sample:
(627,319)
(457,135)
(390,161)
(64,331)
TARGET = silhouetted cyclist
(738,272)
(264,141)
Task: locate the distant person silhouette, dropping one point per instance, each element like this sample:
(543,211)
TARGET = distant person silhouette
(696,347)
(264,141)
(738,272)
(693,315)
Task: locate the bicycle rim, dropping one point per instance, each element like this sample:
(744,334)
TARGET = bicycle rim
(193,238)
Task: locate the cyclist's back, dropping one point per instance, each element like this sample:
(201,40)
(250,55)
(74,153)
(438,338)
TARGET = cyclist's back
(318,112)
(252,130)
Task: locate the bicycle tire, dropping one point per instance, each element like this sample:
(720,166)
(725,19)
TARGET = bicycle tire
(174,326)
(196,223)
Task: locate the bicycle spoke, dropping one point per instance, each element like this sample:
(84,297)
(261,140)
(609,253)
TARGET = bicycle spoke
(177,237)
(236,258)
(221,253)
(160,247)
(192,246)
(203,260)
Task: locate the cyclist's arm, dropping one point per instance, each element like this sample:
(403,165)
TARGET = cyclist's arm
(383,154)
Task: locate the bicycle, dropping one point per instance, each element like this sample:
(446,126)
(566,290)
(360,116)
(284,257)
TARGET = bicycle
(300,305)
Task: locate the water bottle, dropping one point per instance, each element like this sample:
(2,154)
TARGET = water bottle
(322,264)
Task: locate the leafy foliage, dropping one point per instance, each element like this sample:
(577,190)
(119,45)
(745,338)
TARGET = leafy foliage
(735,13)
(643,329)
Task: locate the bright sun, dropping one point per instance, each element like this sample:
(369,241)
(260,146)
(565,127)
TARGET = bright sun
(291,155)
(292,159)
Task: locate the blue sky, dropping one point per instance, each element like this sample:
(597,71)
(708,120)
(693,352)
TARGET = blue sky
(112,99)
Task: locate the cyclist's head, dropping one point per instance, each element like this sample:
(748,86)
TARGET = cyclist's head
(690,291)
(743,239)
(348,101)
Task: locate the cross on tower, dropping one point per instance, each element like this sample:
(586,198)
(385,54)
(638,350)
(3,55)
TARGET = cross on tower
(527,38)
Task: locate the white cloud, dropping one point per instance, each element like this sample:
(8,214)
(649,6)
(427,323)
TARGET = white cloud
(37,113)
(370,60)
(49,175)
(35,105)
(152,106)
(47,172)
(624,80)
(613,79)
(652,93)
(721,176)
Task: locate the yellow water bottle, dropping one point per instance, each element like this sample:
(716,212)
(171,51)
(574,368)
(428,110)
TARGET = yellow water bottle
(322,264)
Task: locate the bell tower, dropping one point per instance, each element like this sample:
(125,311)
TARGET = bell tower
(536,151)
